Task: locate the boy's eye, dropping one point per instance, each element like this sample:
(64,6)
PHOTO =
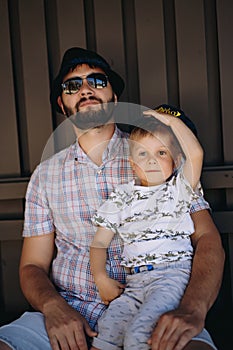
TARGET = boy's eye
(142,154)
(162,153)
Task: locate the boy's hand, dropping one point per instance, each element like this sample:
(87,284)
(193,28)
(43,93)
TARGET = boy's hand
(162,117)
(109,289)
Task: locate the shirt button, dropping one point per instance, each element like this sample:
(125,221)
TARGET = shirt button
(99,171)
(115,257)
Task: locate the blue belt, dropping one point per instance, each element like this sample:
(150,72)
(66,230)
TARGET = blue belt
(138,269)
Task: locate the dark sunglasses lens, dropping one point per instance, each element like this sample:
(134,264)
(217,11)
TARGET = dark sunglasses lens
(72,86)
(97,80)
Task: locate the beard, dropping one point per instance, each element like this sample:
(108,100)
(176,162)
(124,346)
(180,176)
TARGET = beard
(93,116)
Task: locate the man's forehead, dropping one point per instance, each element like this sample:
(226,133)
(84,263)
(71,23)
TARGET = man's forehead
(82,69)
(85,66)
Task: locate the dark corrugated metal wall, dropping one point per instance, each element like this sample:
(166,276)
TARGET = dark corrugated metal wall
(176,52)
(167,51)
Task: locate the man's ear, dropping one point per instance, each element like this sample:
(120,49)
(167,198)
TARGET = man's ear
(60,104)
(115,99)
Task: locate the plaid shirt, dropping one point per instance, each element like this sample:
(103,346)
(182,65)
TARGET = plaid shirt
(63,195)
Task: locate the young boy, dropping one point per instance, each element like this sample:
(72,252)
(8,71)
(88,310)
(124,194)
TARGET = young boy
(153,221)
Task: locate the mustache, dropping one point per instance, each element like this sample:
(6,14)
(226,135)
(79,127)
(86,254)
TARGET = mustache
(90,98)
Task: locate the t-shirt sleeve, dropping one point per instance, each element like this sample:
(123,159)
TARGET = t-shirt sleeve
(198,201)
(109,215)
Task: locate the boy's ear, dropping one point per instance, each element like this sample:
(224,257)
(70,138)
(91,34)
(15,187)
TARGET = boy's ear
(178,161)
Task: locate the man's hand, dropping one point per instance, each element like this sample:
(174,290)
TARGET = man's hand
(175,329)
(66,328)
(109,289)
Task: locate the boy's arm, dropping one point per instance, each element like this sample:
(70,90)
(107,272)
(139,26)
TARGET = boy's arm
(108,288)
(189,144)
(98,252)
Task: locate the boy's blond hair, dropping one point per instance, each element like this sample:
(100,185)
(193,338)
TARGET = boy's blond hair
(149,126)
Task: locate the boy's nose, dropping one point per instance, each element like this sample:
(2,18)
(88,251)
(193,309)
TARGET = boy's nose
(152,161)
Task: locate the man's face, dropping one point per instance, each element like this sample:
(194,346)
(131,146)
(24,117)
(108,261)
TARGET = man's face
(88,107)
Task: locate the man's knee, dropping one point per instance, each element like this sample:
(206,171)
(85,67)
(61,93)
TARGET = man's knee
(197,345)
(4,346)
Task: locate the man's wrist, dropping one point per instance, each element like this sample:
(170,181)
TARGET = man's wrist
(52,302)
(194,306)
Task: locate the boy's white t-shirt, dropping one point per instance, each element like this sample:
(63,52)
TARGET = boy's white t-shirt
(154,222)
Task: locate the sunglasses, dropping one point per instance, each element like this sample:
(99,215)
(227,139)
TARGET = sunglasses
(94,80)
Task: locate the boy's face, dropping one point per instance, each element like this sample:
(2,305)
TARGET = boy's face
(151,159)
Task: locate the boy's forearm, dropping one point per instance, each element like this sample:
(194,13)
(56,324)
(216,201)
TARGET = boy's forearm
(98,263)
(188,141)
(192,150)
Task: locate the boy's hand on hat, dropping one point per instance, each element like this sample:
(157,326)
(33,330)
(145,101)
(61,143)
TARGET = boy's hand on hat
(166,119)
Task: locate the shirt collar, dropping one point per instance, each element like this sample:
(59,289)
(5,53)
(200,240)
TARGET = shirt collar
(110,152)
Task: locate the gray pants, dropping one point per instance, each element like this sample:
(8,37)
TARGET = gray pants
(130,319)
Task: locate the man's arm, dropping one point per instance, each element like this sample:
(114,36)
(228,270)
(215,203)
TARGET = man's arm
(176,328)
(64,325)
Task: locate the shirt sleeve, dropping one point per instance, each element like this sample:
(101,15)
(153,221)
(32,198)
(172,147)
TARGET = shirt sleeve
(199,204)
(38,218)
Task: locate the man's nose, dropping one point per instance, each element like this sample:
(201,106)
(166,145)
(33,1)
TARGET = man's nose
(85,88)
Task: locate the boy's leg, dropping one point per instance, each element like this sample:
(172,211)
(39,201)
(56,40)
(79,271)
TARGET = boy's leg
(163,289)
(114,322)
(161,295)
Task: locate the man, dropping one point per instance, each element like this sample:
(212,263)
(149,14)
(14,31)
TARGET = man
(62,196)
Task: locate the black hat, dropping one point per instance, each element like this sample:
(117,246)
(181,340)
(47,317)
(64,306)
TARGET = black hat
(176,112)
(75,56)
